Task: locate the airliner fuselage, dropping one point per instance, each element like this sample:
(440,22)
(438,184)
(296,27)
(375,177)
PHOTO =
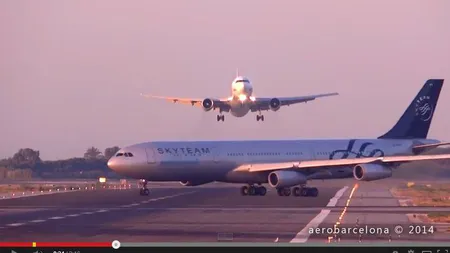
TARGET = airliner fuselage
(229,161)
(241,99)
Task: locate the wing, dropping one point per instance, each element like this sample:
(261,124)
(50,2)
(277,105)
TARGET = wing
(222,104)
(338,162)
(264,103)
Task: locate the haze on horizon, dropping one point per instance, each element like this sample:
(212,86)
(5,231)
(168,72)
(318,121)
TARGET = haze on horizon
(71,71)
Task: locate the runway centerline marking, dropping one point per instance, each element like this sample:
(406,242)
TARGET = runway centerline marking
(303,235)
(156,199)
(15,224)
(56,218)
(37,221)
(98,211)
(73,215)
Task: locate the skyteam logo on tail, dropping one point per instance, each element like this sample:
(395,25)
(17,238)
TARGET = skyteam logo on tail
(424,110)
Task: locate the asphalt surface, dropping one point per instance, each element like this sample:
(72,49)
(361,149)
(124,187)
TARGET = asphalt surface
(209,213)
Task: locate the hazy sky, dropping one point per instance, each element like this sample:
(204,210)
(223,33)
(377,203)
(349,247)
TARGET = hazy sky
(71,71)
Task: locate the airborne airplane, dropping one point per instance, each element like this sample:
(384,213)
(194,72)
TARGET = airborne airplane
(241,101)
(287,165)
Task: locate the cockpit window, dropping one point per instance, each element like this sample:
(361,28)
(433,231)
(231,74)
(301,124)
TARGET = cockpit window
(127,154)
(242,81)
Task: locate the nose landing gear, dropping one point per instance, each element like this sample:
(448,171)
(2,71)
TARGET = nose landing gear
(220,117)
(259,117)
(144,191)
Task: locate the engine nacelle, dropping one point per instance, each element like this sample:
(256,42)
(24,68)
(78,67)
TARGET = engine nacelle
(274,104)
(279,179)
(207,104)
(194,183)
(370,172)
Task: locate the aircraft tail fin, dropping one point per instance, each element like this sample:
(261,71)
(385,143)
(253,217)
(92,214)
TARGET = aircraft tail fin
(416,120)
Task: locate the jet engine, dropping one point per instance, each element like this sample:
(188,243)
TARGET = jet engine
(194,183)
(280,179)
(370,172)
(274,104)
(207,104)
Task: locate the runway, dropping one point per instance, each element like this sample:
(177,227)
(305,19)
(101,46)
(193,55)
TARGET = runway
(205,214)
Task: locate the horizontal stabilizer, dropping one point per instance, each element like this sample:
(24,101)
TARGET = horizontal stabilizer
(425,147)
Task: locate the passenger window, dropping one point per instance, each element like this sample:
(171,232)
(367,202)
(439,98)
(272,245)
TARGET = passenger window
(130,154)
(126,154)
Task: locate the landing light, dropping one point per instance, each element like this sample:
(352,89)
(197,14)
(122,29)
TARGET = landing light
(242,98)
(102,180)
(252,99)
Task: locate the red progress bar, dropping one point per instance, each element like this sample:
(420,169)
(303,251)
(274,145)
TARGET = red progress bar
(16,244)
(74,244)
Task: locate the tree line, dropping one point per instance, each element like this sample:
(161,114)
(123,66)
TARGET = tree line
(27,162)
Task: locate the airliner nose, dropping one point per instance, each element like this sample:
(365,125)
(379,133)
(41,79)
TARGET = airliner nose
(111,163)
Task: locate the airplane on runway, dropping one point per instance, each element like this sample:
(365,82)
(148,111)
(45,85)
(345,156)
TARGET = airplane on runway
(287,165)
(241,101)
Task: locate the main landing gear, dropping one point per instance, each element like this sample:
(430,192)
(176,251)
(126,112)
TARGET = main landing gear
(252,190)
(299,191)
(220,117)
(259,117)
(144,191)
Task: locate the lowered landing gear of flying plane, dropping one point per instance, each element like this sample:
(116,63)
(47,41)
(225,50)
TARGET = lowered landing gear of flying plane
(259,117)
(144,191)
(220,117)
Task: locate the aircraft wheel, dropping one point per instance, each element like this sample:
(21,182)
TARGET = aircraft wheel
(262,191)
(252,191)
(287,191)
(144,192)
(262,117)
(313,192)
(280,192)
(244,190)
(297,191)
(304,192)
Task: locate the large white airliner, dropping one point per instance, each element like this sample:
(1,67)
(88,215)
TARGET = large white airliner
(287,163)
(241,101)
